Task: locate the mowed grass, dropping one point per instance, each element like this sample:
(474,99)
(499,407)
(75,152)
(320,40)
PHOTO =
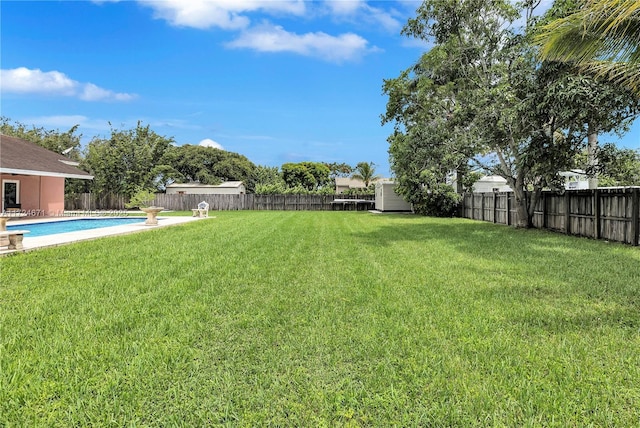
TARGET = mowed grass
(322,319)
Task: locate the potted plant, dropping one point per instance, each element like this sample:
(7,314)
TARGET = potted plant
(142,199)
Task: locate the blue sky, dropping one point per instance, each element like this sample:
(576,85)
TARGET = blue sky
(276,81)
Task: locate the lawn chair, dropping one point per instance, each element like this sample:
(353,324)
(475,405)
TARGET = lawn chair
(202,210)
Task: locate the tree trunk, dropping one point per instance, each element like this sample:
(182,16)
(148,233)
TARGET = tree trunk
(522,209)
(592,157)
(523,219)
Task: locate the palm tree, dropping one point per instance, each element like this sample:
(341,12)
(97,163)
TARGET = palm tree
(365,172)
(602,36)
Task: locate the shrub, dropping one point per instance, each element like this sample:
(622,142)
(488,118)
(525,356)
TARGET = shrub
(441,200)
(141,199)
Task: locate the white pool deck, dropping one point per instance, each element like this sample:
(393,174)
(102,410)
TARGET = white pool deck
(33,243)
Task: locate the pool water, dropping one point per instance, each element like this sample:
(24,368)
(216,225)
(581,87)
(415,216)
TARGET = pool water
(51,228)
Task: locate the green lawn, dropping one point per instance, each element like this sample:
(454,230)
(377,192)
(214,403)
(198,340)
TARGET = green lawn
(322,319)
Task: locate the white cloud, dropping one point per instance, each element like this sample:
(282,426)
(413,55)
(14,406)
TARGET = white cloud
(273,38)
(361,11)
(34,81)
(208,142)
(235,15)
(224,14)
(345,7)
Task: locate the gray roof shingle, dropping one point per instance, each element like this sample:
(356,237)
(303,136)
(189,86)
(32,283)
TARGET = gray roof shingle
(18,156)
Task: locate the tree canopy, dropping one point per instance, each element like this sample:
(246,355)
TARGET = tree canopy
(308,175)
(481,97)
(126,161)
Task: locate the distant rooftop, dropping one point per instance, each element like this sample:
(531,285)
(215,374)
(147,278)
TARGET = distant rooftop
(200,186)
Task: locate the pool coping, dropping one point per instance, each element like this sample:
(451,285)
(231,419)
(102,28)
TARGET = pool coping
(35,243)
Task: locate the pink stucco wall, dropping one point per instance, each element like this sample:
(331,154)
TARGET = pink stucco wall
(52,195)
(40,195)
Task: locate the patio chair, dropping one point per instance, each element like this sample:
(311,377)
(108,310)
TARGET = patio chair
(202,210)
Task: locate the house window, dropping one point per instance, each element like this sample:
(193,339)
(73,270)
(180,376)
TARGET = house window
(10,194)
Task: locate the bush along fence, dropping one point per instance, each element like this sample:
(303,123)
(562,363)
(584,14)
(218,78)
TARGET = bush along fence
(608,214)
(89,202)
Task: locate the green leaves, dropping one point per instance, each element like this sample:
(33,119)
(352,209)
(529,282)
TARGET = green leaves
(126,161)
(365,171)
(308,175)
(141,199)
(481,97)
(602,37)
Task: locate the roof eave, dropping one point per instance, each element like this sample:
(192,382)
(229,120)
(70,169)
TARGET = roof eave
(44,173)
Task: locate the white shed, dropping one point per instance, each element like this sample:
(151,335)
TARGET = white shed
(226,188)
(387,199)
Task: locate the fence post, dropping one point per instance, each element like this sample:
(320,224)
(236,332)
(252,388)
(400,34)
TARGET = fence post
(545,221)
(596,213)
(635,213)
(473,206)
(567,212)
(508,209)
(495,204)
(482,207)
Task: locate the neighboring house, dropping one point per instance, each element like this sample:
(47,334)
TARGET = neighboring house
(573,180)
(345,183)
(576,179)
(387,199)
(33,177)
(491,183)
(226,188)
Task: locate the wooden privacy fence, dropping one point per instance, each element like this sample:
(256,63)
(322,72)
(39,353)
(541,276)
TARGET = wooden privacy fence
(88,202)
(608,214)
(94,201)
(253,202)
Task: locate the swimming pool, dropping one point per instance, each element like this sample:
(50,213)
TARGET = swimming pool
(75,225)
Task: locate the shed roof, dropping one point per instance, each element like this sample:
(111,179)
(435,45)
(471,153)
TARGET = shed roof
(18,156)
(353,183)
(201,186)
(493,179)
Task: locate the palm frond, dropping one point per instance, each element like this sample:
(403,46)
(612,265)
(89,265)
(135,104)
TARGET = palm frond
(603,37)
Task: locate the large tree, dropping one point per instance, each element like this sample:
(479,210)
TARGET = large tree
(574,32)
(209,165)
(127,161)
(268,180)
(307,175)
(481,96)
(339,169)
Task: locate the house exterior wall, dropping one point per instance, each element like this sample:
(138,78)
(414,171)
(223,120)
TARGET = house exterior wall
(341,188)
(230,190)
(388,200)
(52,195)
(39,195)
(191,191)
